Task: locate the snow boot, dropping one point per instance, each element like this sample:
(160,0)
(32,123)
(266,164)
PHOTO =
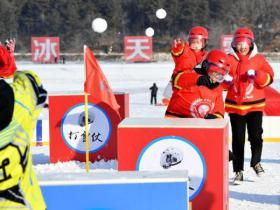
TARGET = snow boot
(238,179)
(258,169)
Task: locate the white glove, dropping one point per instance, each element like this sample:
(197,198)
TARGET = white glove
(251,74)
(10,45)
(228,79)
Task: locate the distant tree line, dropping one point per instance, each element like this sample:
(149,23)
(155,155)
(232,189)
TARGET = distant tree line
(71,21)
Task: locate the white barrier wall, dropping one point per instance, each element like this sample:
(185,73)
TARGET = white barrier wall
(271,127)
(271,131)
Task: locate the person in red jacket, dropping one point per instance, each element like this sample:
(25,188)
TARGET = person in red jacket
(245,100)
(188,58)
(193,101)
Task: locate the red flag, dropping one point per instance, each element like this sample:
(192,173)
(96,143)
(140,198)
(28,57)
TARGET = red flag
(96,84)
(272,102)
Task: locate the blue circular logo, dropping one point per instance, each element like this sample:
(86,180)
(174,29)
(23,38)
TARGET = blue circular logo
(175,153)
(73,128)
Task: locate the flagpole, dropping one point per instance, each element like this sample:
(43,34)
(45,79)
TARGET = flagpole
(86,127)
(86,122)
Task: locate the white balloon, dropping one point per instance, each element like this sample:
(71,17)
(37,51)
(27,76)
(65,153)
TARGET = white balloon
(150,32)
(99,25)
(161,13)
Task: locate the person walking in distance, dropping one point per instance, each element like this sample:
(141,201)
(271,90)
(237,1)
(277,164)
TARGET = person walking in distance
(154,90)
(245,100)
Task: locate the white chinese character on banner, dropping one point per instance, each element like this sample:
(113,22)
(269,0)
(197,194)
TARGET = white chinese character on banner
(138,48)
(45,49)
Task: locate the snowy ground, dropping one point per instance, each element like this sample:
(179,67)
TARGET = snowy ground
(135,79)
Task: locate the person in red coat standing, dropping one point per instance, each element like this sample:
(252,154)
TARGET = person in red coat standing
(187,55)
(245,100)
(188,58)
(194,101)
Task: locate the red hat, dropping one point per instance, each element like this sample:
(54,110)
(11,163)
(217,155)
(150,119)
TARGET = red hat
(7,63)
(243,35)
(217,61)
(198,32)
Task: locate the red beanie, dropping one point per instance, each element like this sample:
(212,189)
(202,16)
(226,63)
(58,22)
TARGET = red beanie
(7,63)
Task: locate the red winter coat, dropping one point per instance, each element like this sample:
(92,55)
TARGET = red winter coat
(7,63)
(183,57)
(196,102)
(185,60)
(185,79)
(246,95)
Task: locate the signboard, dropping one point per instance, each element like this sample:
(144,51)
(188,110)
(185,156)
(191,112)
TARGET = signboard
(226,43)
(45,49)
(196,145)
(67,128)
(138,48)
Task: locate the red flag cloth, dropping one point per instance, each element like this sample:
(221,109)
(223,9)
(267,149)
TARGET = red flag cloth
(95,82)
(272,102)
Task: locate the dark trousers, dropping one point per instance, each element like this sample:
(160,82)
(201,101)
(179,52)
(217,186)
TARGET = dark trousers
(253,120)
(153,98)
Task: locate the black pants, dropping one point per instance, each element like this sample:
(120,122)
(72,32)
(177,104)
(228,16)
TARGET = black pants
(253,120)
(153,98)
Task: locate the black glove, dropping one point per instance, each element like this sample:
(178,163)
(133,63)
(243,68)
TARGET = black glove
(202,69)
(210,116)
(205,81)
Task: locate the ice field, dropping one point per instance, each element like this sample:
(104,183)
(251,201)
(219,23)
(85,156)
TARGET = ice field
(135,79)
